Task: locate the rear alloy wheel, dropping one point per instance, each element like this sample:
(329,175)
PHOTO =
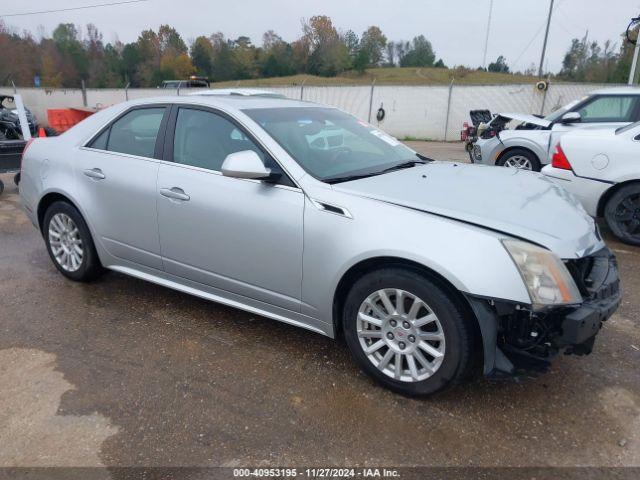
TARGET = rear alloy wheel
(66,243)
(622,213)
(406,332)
(521,159)
(69,243)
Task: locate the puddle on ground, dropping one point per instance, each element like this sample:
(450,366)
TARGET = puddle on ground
(32,433)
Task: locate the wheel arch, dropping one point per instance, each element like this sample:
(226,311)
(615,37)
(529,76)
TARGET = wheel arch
(377,263)
(604,198)
(49,199)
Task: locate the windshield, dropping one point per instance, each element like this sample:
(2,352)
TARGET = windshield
(332,145)
(552,117)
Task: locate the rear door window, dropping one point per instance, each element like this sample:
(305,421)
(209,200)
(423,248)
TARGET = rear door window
(135,133)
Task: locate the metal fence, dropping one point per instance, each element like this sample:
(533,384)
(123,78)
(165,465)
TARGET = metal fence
(421,112)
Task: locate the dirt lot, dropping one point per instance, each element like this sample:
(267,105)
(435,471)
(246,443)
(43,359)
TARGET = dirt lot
(123,372)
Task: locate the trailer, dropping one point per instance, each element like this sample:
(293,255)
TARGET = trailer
(10,157)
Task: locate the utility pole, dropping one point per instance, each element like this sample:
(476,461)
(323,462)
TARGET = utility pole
(634,62)
(486,38)
(546,36)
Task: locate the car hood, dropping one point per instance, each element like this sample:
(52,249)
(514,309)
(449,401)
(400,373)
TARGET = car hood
(518,203)
(525,118)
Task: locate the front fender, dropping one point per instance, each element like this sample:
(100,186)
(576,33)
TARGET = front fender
(470,258)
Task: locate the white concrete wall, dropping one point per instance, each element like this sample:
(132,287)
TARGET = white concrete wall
(411,111)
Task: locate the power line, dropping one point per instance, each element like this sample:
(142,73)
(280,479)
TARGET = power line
(72,8)
(528,45)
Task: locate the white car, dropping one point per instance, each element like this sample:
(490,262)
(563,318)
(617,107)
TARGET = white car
(601,167)
(529,145)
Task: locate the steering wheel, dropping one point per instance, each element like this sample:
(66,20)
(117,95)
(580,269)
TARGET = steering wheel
(338,152)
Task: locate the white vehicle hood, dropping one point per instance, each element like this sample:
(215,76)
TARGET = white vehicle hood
(526,118)
(518,203)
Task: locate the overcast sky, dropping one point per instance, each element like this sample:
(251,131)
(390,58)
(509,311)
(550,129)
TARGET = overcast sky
(456,28)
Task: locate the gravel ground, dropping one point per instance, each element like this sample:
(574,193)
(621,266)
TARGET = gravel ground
(121,372)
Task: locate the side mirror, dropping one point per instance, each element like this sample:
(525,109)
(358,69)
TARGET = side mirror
(571,117)
(247,164)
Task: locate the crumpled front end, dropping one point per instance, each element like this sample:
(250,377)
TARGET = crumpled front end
(519,340)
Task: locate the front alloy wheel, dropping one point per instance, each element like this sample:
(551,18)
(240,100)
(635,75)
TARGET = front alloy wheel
(401,335)
(519,158)
(407,331)
(518,161)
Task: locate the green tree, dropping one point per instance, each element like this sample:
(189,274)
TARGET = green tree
(329,55)
(276,56)
(374,42)
(74,63)
(130,61)
(202,56)
(499,66)
(361,61)
(419,53)
(223,63)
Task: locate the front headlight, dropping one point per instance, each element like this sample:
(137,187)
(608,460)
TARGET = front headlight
(546,277)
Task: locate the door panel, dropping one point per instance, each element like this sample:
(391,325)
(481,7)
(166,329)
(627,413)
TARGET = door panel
(116,177)
(240,236)
(121,207)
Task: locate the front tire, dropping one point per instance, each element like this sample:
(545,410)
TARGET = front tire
(407,332)
(520,158)
(69,243)
(622,213)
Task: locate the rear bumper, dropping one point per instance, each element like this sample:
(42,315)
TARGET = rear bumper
(517,340)
(588,191)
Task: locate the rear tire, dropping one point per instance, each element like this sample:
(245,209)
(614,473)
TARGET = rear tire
(447,332)
(69,243)
(520,158)
(622,213)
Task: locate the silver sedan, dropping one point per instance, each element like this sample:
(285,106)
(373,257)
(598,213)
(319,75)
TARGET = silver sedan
(432,271)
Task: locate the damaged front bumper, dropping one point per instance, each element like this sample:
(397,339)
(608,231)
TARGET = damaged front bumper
(518,340)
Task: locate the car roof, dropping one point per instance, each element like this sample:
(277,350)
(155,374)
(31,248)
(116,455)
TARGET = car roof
(617,91)
(232,102)
(247,92)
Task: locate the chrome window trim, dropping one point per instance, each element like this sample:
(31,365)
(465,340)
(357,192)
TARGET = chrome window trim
(120,154)
(218,173)
(214,109)
(188,167)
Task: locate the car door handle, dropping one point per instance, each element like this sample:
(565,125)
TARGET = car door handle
(175,193)
(95,173)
